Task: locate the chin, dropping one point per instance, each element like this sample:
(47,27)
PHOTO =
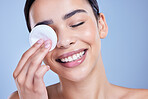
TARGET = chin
(77,75)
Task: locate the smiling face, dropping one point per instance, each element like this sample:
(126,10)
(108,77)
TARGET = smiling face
(78,46)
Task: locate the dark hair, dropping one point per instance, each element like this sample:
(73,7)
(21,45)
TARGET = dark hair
(28,4)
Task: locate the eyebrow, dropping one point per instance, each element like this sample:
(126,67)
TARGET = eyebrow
(46,22)
(66,16)
(73,13)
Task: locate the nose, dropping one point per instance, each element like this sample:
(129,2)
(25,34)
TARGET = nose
(65,39)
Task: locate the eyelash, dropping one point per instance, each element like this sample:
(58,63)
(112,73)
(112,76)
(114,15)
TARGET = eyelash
(77,24)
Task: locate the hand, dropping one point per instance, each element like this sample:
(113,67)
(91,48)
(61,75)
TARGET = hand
(29,73)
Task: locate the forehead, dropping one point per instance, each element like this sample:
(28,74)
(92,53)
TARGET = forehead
(60,3)
(59,6)
(56,9)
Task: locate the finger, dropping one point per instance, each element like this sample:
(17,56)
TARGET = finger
(39,74)
(25,56)
(36,61)
(21,79)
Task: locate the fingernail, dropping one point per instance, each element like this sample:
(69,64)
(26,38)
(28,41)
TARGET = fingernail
(40,41)
(47,44)
(48,67)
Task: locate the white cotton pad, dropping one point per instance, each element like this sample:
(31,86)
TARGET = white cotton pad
(44,32)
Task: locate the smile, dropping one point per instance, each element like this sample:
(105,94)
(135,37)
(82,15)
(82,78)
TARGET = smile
(72,59)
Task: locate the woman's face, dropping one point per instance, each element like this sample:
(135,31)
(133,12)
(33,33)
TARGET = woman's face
(78,46)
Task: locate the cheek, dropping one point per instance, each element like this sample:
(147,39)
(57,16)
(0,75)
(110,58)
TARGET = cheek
(90,33)
(48,59)
(92,39)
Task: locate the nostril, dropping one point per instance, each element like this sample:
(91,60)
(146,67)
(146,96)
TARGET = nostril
(65,43)
(71,43)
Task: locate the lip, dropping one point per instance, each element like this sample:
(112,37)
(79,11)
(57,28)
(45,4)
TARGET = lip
(75,63)
(70,53)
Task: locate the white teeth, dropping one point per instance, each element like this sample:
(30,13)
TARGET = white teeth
(83,53)
(70,59)
(74,57)
(66,60)
(78,55)
(63,60)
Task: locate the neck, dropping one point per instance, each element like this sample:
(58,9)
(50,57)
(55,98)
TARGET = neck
(94,86)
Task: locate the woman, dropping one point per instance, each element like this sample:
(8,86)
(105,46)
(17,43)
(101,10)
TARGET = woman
(76,59)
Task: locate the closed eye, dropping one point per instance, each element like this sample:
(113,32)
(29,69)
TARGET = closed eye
(77,24)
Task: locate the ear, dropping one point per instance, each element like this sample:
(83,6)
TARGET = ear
(102,25)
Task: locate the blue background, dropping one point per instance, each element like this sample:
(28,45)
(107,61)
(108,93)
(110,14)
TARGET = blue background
(124,50)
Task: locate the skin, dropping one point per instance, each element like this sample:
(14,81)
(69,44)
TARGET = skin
(86,81)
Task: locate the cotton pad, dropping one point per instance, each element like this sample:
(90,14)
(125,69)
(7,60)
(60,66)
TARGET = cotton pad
(44,32)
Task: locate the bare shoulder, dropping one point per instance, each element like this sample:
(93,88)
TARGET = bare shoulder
(130,93)
(14,95)
(139,94)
